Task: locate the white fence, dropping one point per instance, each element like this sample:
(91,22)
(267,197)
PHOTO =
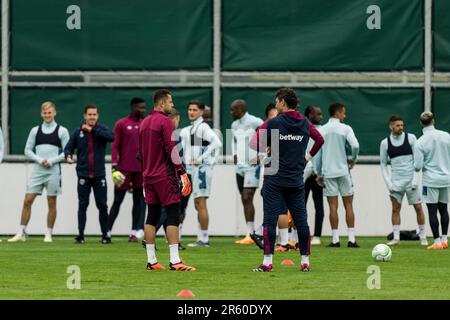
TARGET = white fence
(372,205)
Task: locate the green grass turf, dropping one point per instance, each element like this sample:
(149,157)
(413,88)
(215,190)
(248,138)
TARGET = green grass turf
(37,270)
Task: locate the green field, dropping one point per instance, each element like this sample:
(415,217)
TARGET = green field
(37,270)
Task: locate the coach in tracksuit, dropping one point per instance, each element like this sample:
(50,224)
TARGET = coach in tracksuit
(287,139)
(90,141)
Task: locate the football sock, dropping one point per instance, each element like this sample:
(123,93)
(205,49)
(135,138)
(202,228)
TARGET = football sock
(422,231)
(305,259)
(396,228)
(151,257)
(267,259)
(283,236)
(22,229)
(294,237)
(174,256)
(444,238)
(434,222)
(260,230)
(437,241)
(49,231)
(351,234)
(250,227)
(204,236)
(133,233)
(335,234)
(444,217)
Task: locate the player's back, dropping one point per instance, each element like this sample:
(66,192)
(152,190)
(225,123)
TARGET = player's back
(288,158)
(155,145)
(435,147)
(334,157)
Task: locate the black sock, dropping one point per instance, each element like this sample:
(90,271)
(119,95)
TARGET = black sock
(434,222)
(444,217)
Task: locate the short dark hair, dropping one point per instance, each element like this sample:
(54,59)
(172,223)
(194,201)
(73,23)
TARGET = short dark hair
(426,118)
(198,103)
(334,108)
(309,109)
(89,106)
(289,96)
(160,95)
(174,113)
(395,118)
(136,100)
(269,107)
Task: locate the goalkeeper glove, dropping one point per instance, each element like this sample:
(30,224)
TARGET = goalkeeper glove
(185,183)
(117,177)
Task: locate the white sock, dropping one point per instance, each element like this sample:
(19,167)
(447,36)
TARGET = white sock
(444,238)
(250,227)
(174,256)
(335,234)
(305,259)
(267,259)
(260,230)
(49,231)
(422,231)
(204,235)
(151,257)
(108,234)
(437,241)
(396,228)
(351,234)
(22,229)
(199,233)
(294,235)
(284,236)
(133,233)
(290,235)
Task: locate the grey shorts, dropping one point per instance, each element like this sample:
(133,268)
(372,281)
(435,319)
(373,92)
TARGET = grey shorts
(413,196)
(435,195)
(50,181)
(342,186)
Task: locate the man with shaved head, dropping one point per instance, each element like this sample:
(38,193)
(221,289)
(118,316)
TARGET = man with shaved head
(247,167)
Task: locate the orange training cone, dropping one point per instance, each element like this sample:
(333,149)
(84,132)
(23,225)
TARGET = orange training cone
(288,262)
(185,294)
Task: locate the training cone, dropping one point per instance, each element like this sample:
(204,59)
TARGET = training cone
(287,261)
(185,294)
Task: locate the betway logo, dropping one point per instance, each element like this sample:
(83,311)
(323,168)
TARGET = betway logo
(291,137)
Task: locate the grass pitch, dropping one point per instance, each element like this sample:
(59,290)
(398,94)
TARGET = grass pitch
(38,270)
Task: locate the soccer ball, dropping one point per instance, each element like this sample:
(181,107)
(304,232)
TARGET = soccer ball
(382,252)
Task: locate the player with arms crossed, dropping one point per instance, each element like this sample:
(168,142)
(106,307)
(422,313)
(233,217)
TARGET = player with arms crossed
(398,147)
(162,169)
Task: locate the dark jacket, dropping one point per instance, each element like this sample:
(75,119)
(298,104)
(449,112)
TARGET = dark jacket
(91,149)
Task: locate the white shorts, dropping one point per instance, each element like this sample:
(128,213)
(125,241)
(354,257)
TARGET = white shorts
(201,178)
(413,196)
(435,195)
(248,177)
(342,186)
(50,181)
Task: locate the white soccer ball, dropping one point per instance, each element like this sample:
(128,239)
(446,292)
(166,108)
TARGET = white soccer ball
(382,252)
